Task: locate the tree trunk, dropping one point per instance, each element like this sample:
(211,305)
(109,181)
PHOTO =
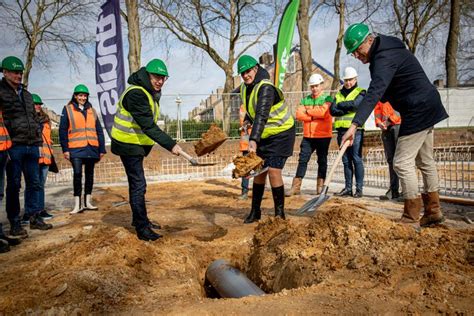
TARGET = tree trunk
(452,45)
(134,37)
(337,53)
(226,99)
(28,65)
(305,44)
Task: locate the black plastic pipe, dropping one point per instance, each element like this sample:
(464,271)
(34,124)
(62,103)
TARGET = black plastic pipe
(229,282)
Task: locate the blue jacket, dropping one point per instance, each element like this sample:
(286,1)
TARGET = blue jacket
(83,152)
(397,77)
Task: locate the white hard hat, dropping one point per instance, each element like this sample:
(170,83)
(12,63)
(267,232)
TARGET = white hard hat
(349,73)
(315,79)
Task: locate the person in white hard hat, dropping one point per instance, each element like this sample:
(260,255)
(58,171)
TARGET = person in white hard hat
(344,109)
(317,133)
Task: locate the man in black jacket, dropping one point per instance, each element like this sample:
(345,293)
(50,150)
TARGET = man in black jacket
(23,127)
(135,132)
(398,78)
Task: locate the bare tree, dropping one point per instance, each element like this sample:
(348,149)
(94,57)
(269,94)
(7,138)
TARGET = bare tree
(305,14)
(417,20)
(340,7)
(46,25)
(452,44)
(134,35)
(224,29)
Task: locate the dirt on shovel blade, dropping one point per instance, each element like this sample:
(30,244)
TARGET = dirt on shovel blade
(245,164)
(210,141)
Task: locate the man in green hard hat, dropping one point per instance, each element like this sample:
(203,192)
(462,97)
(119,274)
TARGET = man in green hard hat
(134,133)
(397,77)
(22,124)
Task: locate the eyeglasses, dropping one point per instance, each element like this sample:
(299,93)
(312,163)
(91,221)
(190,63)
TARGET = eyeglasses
(164,78)
(246,72)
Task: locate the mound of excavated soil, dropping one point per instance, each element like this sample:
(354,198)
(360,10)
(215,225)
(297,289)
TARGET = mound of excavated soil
(245,164)
(345,241)
(345,260)
(210,141)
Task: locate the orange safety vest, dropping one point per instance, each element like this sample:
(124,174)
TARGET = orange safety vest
(385,115)
(244,134)
(46,151)
(81,131)
(314,113)
(5,141)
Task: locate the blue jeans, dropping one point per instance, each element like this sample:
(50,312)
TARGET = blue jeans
(352,160)
(245,182)
(3,163)
(43,175)
(23,158)
(307,147)
(136,189)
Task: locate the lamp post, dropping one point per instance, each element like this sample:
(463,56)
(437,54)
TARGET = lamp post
(179,129)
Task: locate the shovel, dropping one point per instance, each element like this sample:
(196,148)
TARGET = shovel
(313,204)
(194,161)
(256,173)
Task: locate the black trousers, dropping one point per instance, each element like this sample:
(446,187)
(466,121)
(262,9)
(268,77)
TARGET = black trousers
(77,164)
(307,147)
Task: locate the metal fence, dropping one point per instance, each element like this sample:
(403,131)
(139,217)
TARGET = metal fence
(455,166)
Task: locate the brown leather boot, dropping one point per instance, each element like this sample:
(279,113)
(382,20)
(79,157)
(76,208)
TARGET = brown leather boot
(319,185)
(295,187)
(411,213)
(433,214)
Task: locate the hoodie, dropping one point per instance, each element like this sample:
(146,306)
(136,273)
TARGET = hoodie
(136,102)
(397,77)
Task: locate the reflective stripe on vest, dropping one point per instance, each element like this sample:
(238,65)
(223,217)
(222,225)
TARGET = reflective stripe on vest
(5,141)
(279,119)
(81,130)
(345,121)
(45,152)
(125,129)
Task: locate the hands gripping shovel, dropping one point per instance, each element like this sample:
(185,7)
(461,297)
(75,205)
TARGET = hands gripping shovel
(311,206)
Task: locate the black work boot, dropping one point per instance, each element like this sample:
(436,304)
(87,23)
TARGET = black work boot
(344,192)
(17,231)
(279,201)
(147,234)
(257,195)
(4,246)
(37,222)
(154,225)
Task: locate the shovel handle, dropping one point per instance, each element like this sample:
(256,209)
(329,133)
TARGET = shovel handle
(192,160)
(336,162)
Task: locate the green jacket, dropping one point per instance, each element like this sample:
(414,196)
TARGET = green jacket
(136,102)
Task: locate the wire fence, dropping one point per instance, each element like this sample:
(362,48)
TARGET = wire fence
(455,166)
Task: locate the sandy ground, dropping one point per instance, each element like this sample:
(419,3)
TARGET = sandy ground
(351,258)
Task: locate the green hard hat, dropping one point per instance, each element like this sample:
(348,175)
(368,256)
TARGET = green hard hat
(157,67)
(355,36)
(80,88)
(12,63)
(245,63)
(36,99)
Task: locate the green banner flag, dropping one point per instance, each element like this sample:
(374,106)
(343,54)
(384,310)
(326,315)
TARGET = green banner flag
(285,37)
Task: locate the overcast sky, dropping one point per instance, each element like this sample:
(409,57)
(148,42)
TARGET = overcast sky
(187,75)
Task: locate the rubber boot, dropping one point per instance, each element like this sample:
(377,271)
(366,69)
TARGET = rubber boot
(77,206)
(88,203)
(257,195)
(279,201)
(433,214)
(295,187)
(411,213)
(319,185)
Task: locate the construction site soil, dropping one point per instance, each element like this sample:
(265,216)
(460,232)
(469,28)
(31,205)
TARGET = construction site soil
(350,258)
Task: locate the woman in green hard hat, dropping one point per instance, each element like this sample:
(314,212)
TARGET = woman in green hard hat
(273,132)
(82,141)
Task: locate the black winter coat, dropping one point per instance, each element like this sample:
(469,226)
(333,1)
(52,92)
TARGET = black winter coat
(20,117)
(136,102)
(397,77)
(276,145)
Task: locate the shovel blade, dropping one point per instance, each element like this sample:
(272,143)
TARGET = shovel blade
(313,204)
